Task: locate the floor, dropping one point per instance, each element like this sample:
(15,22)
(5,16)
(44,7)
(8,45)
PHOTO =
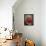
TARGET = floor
(9,43)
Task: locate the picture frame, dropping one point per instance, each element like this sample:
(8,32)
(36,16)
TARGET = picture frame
(29,19)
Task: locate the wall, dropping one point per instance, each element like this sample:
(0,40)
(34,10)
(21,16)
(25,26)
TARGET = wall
(43,22)
(6,13)
(28,7)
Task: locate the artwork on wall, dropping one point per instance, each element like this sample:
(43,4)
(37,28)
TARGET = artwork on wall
(28,19)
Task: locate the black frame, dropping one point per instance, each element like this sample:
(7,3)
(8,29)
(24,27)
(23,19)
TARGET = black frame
(32,19)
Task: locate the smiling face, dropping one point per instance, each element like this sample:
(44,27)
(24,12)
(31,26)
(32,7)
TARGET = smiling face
(28,19)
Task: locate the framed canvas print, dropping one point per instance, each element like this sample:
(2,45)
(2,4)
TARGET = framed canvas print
(28,19)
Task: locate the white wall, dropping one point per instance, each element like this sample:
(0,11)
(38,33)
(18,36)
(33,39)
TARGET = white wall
(6,13)
(43,22)
(29,7)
